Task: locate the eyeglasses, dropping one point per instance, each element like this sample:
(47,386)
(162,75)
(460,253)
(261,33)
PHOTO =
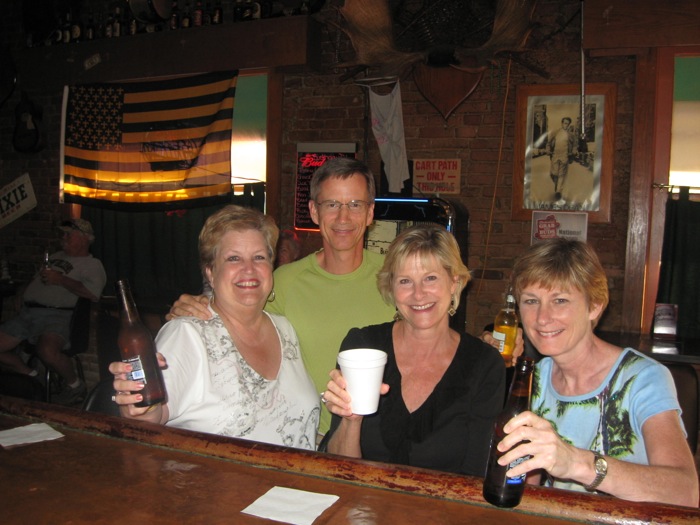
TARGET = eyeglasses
(336,206)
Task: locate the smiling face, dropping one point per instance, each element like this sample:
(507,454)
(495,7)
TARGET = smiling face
(422,290)
(342,230)
(556,320)
(241,275)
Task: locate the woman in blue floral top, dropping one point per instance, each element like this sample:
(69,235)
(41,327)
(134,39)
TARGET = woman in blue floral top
(603,418)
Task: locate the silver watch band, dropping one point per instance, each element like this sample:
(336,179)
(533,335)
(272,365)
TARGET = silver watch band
(601,469)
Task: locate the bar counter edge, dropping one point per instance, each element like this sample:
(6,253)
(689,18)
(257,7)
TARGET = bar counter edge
(554,503)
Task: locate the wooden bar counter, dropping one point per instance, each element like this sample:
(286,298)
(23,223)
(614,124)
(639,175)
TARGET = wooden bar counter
(111,470)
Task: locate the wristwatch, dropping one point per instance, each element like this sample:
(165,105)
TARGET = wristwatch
(601,469)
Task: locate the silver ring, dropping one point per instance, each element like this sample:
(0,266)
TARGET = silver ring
(114,399)
(323,398)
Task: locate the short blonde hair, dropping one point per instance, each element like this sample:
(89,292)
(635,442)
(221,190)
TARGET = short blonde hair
(425,240)
(234,218)
(566,263)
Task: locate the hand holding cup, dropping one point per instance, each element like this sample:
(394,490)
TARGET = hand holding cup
(363,370)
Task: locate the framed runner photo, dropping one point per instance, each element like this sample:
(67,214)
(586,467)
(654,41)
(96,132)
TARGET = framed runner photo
(560,164)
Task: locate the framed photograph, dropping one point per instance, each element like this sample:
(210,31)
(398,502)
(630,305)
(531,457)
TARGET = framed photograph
(563,154)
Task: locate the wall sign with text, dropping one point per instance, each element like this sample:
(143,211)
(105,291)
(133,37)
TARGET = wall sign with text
(16,199)
(437,176)
(310,157)
(553,225)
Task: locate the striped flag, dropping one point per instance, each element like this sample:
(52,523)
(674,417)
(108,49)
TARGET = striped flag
(136,145)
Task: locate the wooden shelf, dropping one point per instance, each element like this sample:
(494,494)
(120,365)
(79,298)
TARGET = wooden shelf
(285,42)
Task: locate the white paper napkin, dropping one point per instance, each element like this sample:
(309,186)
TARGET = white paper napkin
(28,434)
(298,507)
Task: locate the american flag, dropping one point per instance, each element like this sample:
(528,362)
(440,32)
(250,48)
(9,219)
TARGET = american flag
(141,144)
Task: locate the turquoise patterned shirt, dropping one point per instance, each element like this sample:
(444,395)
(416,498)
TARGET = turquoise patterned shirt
(609,419)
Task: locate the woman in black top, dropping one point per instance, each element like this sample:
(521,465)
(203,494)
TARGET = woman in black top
(442,389)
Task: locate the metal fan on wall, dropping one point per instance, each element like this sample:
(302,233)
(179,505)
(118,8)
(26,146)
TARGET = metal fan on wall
(445,44)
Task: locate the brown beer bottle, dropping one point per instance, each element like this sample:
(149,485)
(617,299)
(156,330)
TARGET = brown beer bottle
(499,489)
(138,349)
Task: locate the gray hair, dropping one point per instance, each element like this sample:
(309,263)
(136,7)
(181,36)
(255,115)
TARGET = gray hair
(341,168)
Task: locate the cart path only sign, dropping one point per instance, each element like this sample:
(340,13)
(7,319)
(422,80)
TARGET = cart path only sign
(16,199)
(437,176)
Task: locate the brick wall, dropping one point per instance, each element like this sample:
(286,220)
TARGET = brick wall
(318,107)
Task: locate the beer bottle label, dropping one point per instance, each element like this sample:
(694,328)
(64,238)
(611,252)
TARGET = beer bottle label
(501,338)
(137,373)
(517,480)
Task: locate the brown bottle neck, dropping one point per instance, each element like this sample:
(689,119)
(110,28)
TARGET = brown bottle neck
(129,312)
(521,387)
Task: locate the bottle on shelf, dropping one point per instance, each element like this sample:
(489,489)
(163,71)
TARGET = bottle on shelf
(108,26)
(137,348)
(90,32)
(76,29)
(174,22)
(217,16)
(197,14)
(117,23)
(66,28)
(186,17)
(132,25)
(499,489)
(505,328)
(207,14)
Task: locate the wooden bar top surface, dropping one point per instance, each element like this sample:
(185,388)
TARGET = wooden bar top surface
(112,470)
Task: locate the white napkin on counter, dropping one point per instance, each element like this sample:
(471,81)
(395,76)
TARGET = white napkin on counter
(297,507)
(33,433)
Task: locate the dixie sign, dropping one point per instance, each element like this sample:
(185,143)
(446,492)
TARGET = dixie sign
(16,199)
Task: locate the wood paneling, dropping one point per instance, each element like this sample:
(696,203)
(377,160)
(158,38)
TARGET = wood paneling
(640,23)
(640,188)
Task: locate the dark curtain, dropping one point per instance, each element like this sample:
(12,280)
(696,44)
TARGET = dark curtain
(679,282)
(156,250)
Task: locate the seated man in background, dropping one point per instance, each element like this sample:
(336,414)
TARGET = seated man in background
(48,302)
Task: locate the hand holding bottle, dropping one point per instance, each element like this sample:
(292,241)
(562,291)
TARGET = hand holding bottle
(49,276)
(528,435)
(504,483)
(487,337)
(138,351)
(128,392)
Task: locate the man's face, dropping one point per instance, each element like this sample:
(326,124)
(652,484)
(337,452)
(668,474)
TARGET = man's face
(343,229)
(74,242)
(565,124)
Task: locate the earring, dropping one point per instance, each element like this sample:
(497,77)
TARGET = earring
(452,309)
(397,315)
(213,296)
(271,297)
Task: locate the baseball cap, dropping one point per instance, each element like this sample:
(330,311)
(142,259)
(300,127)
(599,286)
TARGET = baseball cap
(80,225)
